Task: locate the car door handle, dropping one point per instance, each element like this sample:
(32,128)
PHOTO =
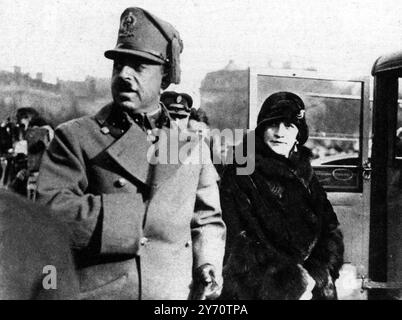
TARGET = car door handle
(366,170)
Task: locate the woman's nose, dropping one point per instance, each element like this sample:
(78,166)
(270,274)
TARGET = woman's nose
(281,128)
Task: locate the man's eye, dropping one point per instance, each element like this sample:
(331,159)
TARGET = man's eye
(136,66)
(139,67)
(118,66)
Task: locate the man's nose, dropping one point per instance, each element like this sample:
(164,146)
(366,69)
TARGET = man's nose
(127,73)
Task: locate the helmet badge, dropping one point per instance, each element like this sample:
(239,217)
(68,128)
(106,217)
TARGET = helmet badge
(127,25)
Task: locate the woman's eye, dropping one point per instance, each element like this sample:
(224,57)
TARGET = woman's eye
(288,124)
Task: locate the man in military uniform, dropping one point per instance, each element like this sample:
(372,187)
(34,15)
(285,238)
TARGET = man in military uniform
(179,106)
(140,230)
(180,109)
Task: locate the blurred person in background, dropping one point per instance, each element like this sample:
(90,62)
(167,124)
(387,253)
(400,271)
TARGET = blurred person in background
(180,107)
(36,261)
(35,134)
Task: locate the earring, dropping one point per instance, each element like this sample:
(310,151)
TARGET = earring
(295,147)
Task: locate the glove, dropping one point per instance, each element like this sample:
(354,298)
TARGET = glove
(348,285)
(205,283)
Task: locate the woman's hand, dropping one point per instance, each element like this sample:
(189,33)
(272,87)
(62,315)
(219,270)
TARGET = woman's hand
(348,285)
(310,284)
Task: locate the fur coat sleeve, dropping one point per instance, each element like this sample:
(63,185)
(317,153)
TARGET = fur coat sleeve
(326,258)
(253,269)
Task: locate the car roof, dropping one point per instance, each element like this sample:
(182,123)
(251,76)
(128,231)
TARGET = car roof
(388,62)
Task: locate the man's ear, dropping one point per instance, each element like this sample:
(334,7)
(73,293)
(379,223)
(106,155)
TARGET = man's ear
(165,77)
(165,83)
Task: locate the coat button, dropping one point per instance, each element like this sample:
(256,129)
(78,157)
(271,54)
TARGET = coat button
(105,130)
(144,241)
(121,182)
(151,138)
(188,244)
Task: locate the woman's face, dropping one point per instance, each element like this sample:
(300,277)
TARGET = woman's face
(281,137)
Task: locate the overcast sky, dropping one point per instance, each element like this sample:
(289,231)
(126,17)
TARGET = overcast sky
(67,38)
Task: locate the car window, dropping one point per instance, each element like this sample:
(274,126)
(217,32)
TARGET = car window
(333,111)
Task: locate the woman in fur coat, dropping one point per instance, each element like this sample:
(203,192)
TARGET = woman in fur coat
(283,237)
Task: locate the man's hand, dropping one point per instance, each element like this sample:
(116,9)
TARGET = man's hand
(22,174)
(206,285)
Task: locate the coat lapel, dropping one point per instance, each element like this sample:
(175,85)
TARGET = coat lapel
(135,153)
(130,152)
(169,162)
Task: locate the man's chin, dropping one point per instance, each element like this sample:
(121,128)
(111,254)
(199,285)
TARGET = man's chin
(128,106)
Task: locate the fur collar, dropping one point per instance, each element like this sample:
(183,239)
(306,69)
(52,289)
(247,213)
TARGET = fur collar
(271,164)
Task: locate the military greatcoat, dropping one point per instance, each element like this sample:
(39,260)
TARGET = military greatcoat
(138,229)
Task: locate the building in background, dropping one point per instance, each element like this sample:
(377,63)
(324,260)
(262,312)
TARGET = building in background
(55,102)
(224,97)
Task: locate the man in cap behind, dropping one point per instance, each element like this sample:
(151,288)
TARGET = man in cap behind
(179,106)
(141,230)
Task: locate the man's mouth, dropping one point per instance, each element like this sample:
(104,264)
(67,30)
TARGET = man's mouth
(127,95)
(125,89)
